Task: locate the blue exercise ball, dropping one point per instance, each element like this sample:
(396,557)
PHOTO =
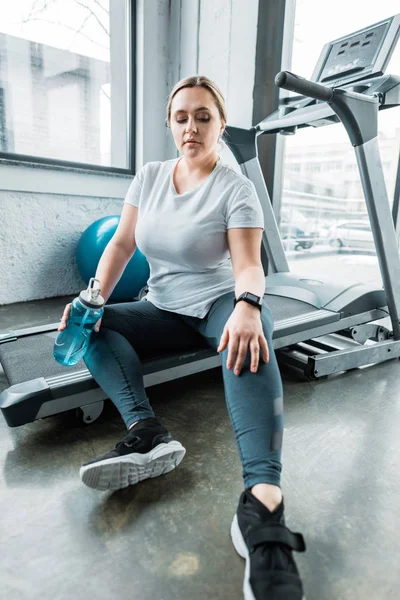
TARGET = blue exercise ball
(91,246)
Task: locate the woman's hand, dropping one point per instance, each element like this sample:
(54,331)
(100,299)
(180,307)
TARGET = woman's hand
(244,330)
(64,319)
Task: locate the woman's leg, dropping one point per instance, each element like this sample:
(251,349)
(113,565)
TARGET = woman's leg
(255,406)
(254,400)
(130,333)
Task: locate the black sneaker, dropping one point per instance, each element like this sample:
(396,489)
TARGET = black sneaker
(147,450)
(262,538)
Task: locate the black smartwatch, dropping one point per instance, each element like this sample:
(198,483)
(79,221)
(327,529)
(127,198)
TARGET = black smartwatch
(250,298)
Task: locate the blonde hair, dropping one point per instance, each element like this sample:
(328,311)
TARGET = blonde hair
(201,81)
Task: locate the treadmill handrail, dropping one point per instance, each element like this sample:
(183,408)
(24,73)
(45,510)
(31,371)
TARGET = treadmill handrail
(300,116)
(294,83)
(303,111)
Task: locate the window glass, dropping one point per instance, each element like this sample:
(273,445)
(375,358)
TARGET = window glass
(320,175)
(63,81)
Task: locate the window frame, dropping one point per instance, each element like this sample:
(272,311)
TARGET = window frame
(24,160)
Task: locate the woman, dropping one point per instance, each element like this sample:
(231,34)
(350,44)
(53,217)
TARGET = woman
(199,224)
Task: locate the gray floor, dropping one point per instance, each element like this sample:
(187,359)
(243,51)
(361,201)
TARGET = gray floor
(168,538)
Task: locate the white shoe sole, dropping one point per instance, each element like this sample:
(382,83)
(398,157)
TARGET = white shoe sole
(241,548)
(122,471)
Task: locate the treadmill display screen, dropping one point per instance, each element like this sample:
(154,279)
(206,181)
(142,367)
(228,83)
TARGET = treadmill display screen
(358,55)
(353,55)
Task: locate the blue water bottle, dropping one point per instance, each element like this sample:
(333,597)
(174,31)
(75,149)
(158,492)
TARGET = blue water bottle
(71,343)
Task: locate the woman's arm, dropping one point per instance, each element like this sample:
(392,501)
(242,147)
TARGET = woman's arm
(111,266)
(245,250)
(118,251)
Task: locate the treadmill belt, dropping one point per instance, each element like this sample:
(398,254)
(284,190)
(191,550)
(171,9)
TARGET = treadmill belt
(31,357)
(285,308)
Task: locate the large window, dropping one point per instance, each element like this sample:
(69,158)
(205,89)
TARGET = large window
(323,214)
(64,85)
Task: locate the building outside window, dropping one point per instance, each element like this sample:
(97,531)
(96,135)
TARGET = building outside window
(328,193)
(64,88)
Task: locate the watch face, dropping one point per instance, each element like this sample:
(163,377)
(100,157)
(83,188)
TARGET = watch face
(253,297)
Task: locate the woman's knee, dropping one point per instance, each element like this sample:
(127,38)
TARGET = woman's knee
(107,316)
(114,319)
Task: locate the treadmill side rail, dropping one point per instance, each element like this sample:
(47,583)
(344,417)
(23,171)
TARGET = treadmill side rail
(10,336)
(25,402)
(155,372)
(21,403)
(343,360)
(287,337)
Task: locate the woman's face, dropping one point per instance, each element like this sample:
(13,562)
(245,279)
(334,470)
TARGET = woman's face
(196,123)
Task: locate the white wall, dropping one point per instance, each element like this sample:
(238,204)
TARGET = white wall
(217,38)
(38,238)
(175,38)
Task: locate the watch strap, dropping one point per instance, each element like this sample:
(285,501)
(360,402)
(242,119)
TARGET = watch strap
(250,299)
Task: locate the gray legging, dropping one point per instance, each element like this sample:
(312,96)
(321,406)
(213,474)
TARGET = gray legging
(135,331)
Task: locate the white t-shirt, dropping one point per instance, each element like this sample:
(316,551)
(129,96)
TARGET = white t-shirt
(184,236)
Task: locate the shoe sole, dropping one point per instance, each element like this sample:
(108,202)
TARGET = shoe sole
(122,471)
(241,548)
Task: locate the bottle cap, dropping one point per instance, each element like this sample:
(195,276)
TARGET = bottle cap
(91,296)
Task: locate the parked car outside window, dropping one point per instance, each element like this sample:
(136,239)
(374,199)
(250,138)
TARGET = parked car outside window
(352,234)
(297,237)
(296,231)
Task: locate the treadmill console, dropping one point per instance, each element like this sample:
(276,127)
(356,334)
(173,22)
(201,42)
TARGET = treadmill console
(364,53)
(355,62)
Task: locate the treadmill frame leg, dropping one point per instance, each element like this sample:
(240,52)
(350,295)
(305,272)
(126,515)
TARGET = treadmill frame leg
(90,412)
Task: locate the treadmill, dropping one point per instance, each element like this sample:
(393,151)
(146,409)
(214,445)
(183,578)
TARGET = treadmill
(320,327)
